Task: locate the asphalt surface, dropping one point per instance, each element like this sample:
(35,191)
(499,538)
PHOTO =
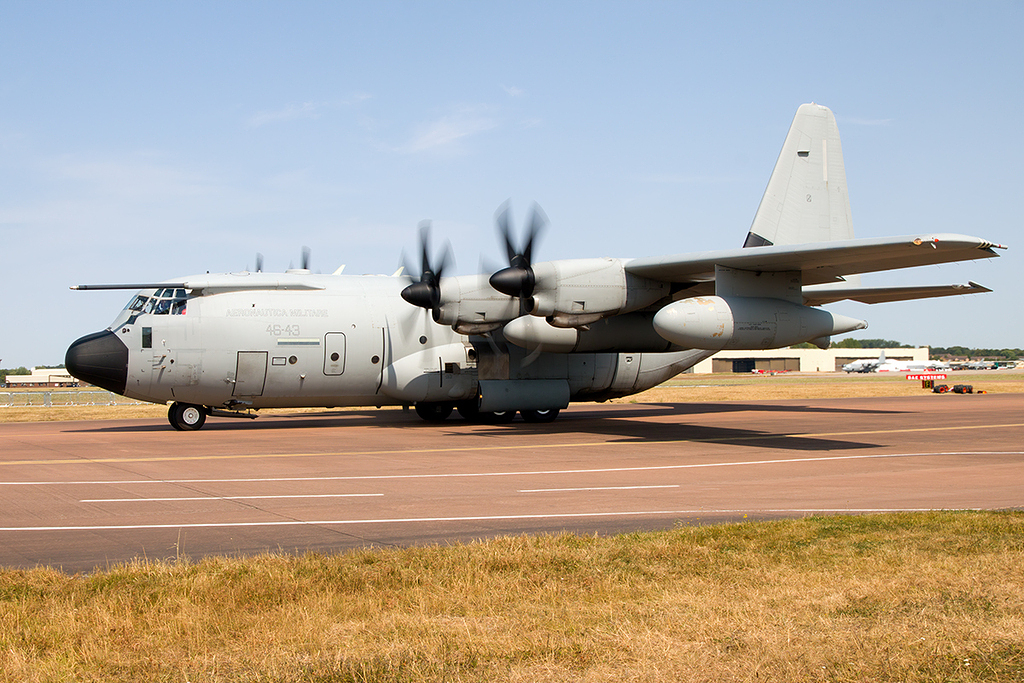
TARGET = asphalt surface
(81,495)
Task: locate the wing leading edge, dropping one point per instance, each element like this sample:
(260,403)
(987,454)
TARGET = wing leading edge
(820,262)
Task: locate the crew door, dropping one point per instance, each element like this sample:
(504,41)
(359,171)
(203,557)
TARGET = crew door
(250,373)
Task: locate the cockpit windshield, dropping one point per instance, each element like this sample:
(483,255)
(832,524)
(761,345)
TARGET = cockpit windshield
(167,301)
(164,301)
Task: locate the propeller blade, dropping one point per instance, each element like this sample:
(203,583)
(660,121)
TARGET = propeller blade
(503,219)
(305,258)
(538,221)
(259,262)
(518,278)
(447,258)
(425,250)
(426,292)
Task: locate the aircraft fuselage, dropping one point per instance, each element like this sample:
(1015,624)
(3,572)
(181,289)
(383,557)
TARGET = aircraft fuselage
(341,341)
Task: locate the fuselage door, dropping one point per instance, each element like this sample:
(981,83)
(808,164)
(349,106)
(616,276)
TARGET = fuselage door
(334,353)
(250,373)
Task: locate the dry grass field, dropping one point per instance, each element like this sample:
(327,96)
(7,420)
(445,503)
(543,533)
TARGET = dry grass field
(924,597)
(815,385)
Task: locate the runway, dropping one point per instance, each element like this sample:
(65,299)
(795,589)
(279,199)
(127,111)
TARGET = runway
(80,495)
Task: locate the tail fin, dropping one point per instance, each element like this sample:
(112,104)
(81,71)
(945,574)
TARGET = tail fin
(806,198)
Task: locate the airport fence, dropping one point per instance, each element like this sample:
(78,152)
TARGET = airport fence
(65,397)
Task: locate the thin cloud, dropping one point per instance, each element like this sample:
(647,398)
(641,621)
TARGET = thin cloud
(293,112)
(513,91)
(447,132)
(137,176)
(306,110)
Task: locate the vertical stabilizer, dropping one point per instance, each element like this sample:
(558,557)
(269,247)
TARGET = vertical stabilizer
(806,199)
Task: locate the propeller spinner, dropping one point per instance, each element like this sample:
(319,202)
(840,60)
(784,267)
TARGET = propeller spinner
(518,279)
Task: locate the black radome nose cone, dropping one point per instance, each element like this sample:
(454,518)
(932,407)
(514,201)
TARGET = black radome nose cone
(100,359)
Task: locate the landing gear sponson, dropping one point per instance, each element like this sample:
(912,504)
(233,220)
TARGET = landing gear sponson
(439,412)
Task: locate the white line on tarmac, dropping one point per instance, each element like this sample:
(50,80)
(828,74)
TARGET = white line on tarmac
(601,488)
(163,500)
(434,520)
(738,463)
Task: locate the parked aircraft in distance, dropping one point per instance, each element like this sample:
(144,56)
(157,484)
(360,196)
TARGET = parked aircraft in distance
(864,364)
(529,338)
(881,364)
(910,366)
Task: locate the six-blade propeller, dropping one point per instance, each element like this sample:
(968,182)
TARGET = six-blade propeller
(426,292)
(518,279)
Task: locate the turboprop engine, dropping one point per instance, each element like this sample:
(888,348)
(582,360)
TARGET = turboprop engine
(716,323)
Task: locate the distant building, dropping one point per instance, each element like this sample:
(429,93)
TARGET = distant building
(799,360)
(43,377)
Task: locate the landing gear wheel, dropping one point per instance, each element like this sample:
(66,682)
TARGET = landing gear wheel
(434,412)
(548,415)
(500,418)
(469,410)
(186,417)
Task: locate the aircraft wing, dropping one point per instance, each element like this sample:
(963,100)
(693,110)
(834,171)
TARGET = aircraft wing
(211,284)
(826,294)
(819,262)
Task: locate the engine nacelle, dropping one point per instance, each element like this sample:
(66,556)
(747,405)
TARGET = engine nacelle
(581,288)
(716,323)
(471,306)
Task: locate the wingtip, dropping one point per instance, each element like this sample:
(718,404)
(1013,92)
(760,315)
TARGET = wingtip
(979,289)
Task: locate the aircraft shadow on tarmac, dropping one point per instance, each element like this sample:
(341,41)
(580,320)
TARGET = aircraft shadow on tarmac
(630,423)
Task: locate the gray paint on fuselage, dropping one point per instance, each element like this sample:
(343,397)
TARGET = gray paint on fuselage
(195,357)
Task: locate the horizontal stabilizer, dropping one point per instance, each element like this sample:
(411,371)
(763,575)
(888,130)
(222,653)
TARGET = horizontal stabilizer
(825,294)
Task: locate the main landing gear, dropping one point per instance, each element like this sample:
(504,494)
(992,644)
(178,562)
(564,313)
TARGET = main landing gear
(439,412)
(186,417)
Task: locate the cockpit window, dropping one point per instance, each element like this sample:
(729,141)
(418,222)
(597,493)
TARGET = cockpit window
(167,301)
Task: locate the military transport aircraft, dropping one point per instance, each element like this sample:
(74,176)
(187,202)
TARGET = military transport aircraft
(530,338)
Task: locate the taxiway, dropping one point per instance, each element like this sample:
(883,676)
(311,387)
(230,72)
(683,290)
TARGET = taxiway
(80,495)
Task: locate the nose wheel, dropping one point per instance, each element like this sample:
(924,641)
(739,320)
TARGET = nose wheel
(186,417)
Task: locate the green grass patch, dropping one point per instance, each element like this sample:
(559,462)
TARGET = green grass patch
(907,597)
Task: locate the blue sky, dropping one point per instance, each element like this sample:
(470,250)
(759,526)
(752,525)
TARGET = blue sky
(143,141)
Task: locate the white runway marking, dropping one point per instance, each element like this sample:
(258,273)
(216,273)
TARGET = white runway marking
(456,475)
(163,500)
(601,488)
(488,518)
